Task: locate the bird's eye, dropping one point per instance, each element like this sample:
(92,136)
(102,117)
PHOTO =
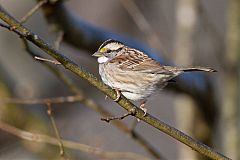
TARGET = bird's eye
(108,51)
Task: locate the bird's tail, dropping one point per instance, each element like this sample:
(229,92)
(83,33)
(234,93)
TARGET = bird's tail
(190,69)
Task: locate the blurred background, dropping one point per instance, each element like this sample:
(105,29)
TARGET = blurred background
(180,32)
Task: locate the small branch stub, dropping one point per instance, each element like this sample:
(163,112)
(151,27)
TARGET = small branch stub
(131,112)
(47,60)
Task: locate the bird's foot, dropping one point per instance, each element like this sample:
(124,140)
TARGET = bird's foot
(142,107)
(118,94)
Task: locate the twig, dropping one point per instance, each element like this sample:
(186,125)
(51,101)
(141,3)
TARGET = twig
(32,11)
(47,60)
(49,112)
(70,65)
(89,103)
(58,40)
(143,25)
(218,39)
(56,100)
(130,113)
(10,29)
(41,138)
(92,105)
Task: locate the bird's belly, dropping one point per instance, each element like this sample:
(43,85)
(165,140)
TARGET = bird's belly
(133,86)
(134,96)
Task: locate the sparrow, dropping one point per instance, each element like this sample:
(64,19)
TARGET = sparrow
(133,73)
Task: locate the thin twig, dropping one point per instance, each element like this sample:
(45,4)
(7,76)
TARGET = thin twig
(123,102)
(218,39)
(10,29)
(49,112)
(91,104)
(47,60)
(143,25)
(41,138)
(32,11)
(56,100)
(130,113)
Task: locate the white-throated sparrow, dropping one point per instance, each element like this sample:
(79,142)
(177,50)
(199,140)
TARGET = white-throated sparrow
(134,74)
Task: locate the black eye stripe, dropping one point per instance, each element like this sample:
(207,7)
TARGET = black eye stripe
(109,51)
(119,49)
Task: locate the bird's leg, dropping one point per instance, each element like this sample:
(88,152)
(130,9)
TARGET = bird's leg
(118,94)
(142,106)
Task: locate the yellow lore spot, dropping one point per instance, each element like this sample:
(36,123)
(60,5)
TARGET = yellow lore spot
(102,50)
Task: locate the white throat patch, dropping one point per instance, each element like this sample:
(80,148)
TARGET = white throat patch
(102,59)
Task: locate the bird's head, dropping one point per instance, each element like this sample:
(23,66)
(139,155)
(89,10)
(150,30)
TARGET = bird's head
(108,50)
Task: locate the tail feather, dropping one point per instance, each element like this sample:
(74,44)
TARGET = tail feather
(190,69)
(205,69)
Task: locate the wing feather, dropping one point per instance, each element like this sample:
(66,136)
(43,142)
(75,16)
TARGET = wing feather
(134,60)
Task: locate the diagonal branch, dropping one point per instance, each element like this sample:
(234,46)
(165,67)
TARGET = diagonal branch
(123,102)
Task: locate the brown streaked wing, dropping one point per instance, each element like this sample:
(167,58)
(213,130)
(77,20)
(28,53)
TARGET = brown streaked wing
(135,60)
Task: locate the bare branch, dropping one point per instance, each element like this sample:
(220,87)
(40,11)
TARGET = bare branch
(91,104)
(142,23)
(47,60)
(49,112)
(10,29)
(41,138)
(123,102)
(56,100)
(130,113)
(32,11)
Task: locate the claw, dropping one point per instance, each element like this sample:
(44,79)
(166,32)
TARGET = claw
(118,95)
(142,106)
(145,111)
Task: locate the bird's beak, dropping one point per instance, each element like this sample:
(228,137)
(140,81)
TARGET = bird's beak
(97,54)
